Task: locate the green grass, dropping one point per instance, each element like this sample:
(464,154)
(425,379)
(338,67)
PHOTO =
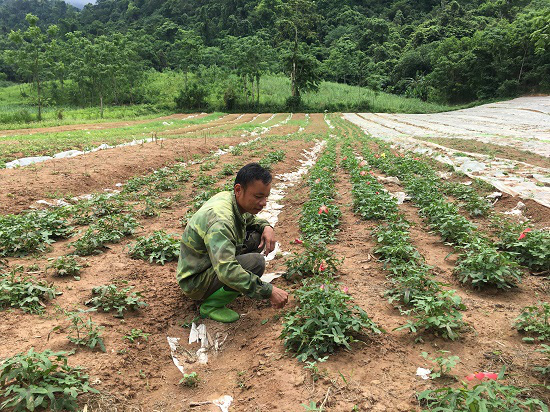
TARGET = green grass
(47,144)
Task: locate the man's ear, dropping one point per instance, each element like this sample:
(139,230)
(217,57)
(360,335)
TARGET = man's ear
(237,188)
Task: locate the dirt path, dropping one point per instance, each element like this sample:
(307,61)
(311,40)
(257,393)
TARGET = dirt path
(96,126)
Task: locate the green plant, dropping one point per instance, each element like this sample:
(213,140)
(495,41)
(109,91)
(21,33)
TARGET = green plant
(108,229)
(437,313)
(24,292)
(545,370)
(204,181)
(83,332)
(529,247)
(206,166)
(237,150)
(32,232)
(65,265)
(160,247)
(445,364)
(323,320)
(136,334)
(109,297)
(480,264)
(313,369)
(190,379)
(312,407)
(314,260)
(486,396)
(227,170)
(273,157)
(35,380)
(150,209)
(535,320)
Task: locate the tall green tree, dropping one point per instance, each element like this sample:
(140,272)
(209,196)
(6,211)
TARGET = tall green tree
(297,25)
(31,55)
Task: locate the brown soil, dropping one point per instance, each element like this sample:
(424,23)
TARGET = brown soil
(92,126)
(490,149)
(377,375)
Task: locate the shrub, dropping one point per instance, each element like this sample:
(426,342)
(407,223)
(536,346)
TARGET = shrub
(529,247)
(488,395)
(192,97)
(324,320)
(35,380)
(481,264)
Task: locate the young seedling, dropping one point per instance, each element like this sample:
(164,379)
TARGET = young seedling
(445,364)
(136,334)
(190,379)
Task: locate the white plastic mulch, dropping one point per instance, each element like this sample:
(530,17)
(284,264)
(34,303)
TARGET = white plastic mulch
(525,115)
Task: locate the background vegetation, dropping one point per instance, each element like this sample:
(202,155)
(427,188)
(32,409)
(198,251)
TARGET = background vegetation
(273,55)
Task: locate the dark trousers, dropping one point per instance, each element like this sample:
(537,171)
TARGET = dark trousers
(249,258)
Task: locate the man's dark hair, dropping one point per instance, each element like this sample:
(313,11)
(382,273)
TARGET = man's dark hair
(251,172)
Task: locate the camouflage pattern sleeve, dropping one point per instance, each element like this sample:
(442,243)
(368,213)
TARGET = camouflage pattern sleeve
(221,251)
(255,223)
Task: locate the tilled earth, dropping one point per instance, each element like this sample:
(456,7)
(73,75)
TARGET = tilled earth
(252,365)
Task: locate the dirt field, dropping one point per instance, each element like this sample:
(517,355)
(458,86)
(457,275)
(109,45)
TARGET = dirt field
(252,365)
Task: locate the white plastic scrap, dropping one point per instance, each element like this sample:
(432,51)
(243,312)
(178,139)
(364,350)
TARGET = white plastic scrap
(268,277)
(198,334)
(173,343)
(423,373)
(400,196)
(223,403)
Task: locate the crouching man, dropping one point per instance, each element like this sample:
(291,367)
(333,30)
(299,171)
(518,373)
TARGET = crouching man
(220,255)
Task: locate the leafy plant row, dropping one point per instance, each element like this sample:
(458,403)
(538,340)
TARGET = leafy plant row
(413,290)
(526,245)
(480,263)
(324,318)
(320,215)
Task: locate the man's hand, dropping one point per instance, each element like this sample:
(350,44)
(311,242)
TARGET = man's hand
(268,240)
(279,298)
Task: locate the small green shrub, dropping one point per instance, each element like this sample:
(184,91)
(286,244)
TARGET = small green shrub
(323,320)
(108,229)
(529,247)
(83,332)
(109,297)
(481,265)
(445,364)
(41,380)
(160,247)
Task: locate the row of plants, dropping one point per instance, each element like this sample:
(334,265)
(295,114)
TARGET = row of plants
(413,289)
(488,391)
(480,263)
(325,318)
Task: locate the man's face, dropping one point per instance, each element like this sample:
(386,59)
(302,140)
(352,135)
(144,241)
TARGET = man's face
(253,198)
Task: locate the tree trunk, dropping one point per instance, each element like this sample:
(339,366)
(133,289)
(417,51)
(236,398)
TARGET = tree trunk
(101,103)
(245,91)
(258,89)
(39,98)
(295,91)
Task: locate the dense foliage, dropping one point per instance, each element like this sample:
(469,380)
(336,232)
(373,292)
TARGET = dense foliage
(435,50)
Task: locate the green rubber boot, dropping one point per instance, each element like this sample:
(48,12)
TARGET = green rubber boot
(214,308)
